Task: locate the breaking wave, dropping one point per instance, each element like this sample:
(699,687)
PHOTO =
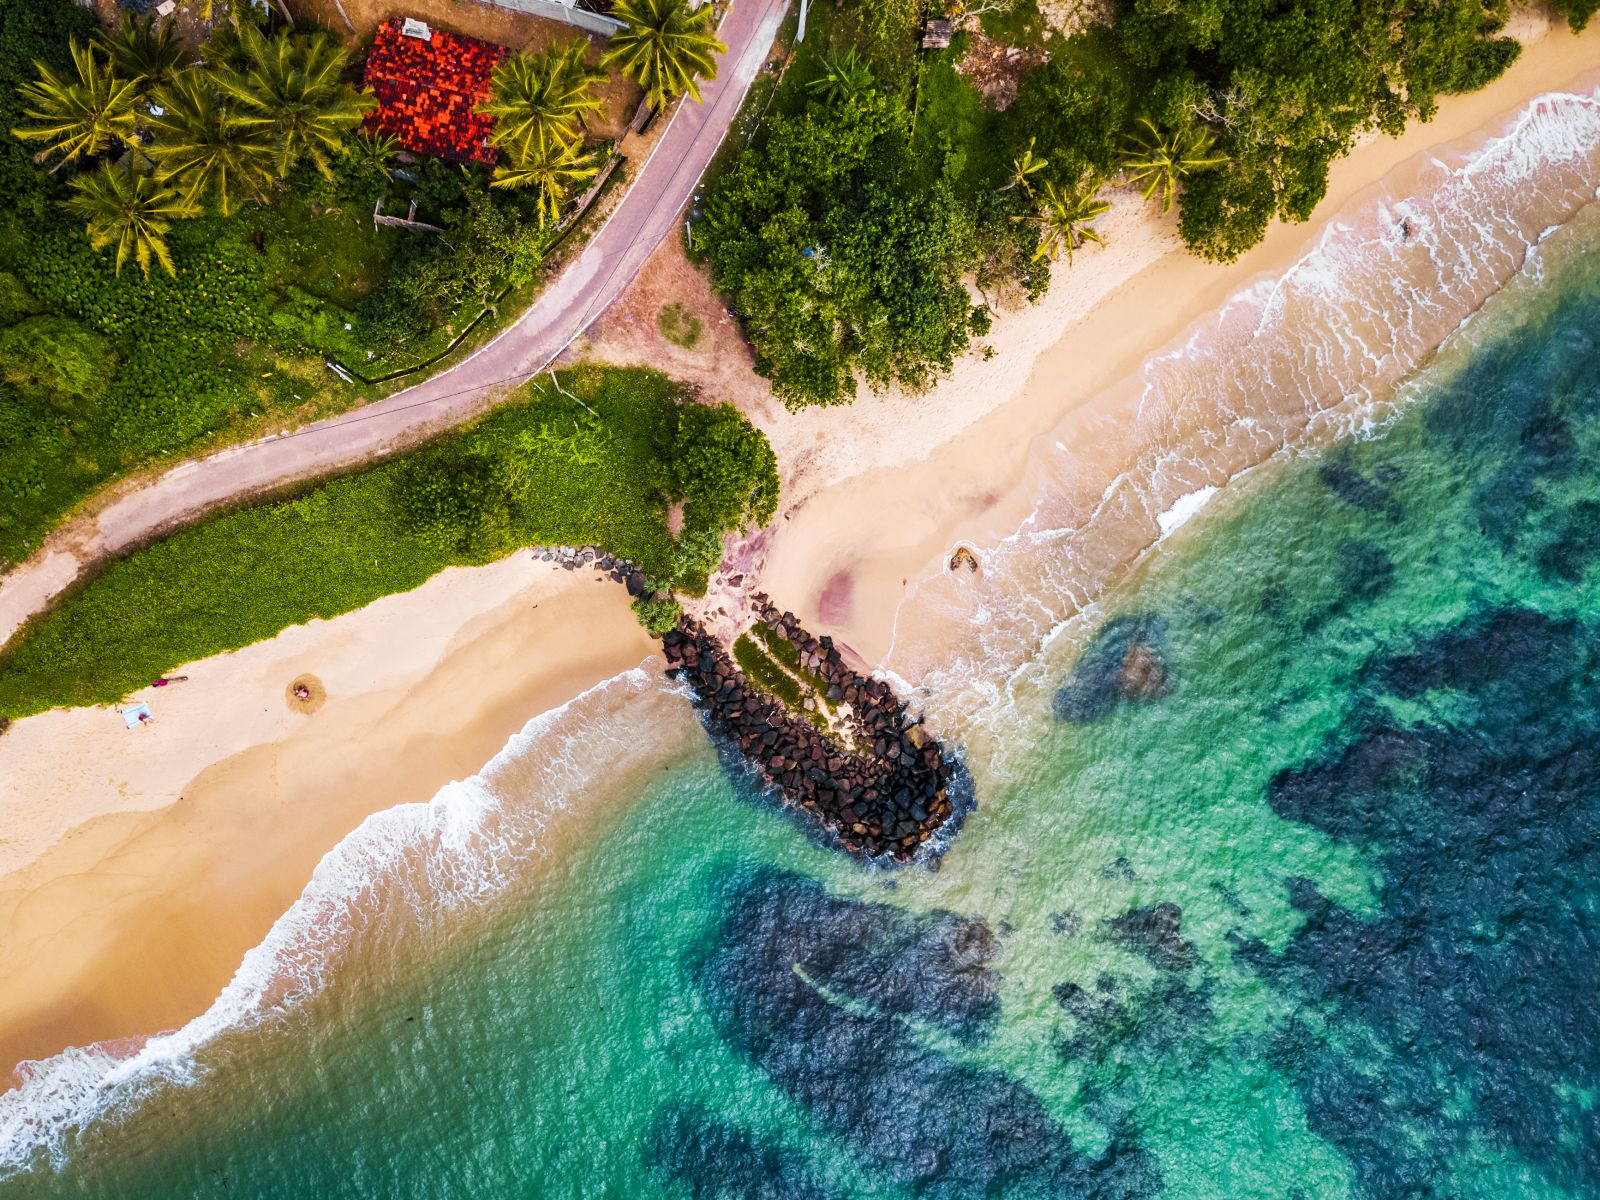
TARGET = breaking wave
(402,872)
(1290,362)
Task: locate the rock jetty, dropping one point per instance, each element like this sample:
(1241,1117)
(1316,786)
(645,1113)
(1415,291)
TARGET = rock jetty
(572,558)
(876,783)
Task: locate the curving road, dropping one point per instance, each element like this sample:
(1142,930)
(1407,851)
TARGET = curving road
(650,210)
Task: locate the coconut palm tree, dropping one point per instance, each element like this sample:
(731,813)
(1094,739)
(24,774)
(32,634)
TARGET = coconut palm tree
(292,94)
(551,169)
(664,45)
(543,96)
(130,210)
(1063,218)
(1160,161)
(846,79)
(1024,167)
(201,150)
(78,115)
(147,53)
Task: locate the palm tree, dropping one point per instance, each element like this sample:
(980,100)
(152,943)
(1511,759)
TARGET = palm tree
(1160,161)
(78,116)
(130,210)
(1024,167)
(369,152)
(201,149)
(663,45)
(540,97)
(551,169)
(147,53)
(292,93)
(847,78)
(1063,218)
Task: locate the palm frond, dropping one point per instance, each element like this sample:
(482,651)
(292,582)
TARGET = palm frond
(664,46)
(1156,162)
(80,114)
(130,210)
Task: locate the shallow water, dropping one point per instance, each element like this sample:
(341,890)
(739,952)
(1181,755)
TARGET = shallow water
(1317,916)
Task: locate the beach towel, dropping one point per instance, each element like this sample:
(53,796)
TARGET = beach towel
(130,716)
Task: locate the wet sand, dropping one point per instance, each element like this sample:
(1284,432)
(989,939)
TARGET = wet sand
(145,862)
(860,526)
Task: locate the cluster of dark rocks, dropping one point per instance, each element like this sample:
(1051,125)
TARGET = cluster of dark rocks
(878,785)
(620,569)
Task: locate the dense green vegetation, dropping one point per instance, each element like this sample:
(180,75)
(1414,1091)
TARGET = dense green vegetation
(845,234)
(1577,12)
(883,183)
(264,218)
(599,466)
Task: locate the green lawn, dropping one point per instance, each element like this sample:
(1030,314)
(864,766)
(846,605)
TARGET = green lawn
(540,471)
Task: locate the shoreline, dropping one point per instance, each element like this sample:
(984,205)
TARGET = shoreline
(132,897)
(847,556)
(133,894)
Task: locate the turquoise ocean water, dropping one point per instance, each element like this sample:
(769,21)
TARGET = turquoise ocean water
(1322,920)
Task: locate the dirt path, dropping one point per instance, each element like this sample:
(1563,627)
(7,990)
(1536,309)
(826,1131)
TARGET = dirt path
(614,256)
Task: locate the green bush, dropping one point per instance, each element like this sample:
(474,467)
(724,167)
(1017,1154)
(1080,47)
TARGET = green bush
(658,615)
(57,356)
(766,674)
(845,235)
(514,478)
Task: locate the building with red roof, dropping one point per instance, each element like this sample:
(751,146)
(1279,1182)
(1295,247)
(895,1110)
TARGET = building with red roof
(428,84)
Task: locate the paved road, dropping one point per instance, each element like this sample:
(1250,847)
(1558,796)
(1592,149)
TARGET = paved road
(614,256)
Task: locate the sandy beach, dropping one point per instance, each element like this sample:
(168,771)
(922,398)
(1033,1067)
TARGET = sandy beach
(880,496)
(141,864)
(138,866)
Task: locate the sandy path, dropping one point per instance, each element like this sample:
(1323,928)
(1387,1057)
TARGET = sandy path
(648,212)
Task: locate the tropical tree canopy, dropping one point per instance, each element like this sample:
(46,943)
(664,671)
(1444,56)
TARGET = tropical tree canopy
(664,45)
(1159,161)
(78,114)
(202,150)
(551,169)
(1064,218)
(130,210)
(147,53)
(292,93)
(543,96)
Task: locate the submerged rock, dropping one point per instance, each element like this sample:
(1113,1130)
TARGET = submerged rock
(1126,660)
(1155,933)
(827,1027)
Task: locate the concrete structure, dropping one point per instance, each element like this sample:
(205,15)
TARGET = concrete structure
(592,15)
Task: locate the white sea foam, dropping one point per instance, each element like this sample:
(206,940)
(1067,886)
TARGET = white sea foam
(1288,362)
(1183,508)
(405,868)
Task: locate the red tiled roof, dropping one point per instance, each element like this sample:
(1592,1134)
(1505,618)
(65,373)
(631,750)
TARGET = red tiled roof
(427,91)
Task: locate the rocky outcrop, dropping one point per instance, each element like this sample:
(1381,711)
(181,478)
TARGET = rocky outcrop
(877,783)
